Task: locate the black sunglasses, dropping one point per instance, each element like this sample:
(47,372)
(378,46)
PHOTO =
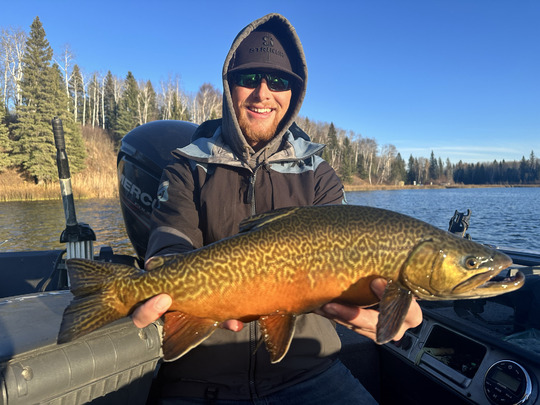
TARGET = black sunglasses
(252,80)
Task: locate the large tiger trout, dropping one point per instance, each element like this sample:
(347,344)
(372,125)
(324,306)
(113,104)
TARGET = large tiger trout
(285,263)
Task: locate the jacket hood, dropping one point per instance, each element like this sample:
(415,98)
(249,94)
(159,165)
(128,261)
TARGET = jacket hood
(231,130)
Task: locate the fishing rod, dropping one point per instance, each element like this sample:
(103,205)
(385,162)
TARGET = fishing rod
(79,237)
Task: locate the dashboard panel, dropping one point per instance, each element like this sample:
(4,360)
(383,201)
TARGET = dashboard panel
(481,351)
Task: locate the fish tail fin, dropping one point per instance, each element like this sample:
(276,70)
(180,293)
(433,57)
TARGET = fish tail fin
(95,302)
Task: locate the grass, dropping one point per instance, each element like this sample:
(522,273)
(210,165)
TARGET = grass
(97,180)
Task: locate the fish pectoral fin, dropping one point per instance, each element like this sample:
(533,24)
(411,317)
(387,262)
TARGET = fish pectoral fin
(393,308)
(182,332)
(277,332)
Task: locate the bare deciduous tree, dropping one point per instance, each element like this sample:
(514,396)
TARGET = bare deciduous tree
(384,165)
(64,62)
(12,46)
(207,103)
(368,150)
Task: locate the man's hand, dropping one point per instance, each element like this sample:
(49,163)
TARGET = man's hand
(156,306)
(364,320)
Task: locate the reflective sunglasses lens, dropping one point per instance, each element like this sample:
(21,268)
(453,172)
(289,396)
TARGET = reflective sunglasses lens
(276,83)
(248,80)
(252,80)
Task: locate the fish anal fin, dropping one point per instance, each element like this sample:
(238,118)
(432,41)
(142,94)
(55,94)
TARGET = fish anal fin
(393,309)
(277,332)
(182,332)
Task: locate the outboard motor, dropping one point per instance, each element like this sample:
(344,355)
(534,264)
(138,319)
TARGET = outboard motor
(144,153)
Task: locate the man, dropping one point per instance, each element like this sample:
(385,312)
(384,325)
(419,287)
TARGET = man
(253,160)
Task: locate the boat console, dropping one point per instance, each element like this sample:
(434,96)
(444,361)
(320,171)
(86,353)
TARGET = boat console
(483,351)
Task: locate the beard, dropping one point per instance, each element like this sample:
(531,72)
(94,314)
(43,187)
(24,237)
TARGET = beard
(257,135)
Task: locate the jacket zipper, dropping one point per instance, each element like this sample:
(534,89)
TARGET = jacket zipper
(251,191)
(252,325)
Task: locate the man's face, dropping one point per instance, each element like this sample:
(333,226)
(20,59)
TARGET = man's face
(259,111)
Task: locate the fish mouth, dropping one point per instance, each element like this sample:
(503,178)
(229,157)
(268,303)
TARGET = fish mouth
(481,285)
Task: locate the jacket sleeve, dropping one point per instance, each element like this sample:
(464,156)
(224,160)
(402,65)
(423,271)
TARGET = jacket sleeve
(328,186)
(174,222)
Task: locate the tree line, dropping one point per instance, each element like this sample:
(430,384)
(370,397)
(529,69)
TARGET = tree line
(37,85)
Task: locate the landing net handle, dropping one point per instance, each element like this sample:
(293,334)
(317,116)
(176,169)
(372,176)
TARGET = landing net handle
(79,237)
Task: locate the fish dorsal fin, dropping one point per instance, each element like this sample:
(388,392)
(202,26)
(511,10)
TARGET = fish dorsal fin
(257,221)
(159,261)
(277,332)
(393,308)
(183,332)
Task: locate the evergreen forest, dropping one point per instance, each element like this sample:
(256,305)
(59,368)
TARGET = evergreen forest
(36,84)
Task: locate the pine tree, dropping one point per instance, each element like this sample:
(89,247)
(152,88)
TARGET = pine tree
(346,167)
(398,171)
(412,172)
(127,108)
(75,147)
(331,151)
(34,147)
(433,167)
(111,106)
(43,98)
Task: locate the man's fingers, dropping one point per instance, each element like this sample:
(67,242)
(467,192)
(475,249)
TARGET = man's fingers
(232,324)
(151,310)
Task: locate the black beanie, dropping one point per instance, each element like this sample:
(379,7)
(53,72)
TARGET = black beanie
(262,50)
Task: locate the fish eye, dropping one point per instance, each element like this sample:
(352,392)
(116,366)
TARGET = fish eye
(471,263)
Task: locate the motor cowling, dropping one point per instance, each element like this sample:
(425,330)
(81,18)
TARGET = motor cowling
(144,152)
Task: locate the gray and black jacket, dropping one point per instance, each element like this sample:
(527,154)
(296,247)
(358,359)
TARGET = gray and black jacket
(214,183)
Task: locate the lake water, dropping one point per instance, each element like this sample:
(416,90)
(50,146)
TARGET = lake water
(507,217)
(37,225)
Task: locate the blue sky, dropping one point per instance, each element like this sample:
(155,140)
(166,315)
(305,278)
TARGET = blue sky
(459,77)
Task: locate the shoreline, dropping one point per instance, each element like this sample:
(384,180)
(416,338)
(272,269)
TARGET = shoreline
(366,187)
(27,195)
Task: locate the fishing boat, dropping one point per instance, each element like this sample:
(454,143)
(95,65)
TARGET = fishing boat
(484,351)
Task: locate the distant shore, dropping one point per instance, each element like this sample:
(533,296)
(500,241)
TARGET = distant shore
(99,178)
(367,187)
(104,185)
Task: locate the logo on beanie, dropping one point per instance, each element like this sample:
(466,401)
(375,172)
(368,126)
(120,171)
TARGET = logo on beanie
(268,41)
(267,47)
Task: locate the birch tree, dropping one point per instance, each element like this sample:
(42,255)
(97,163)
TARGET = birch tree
(207,104)
(387,156)
(368,150)
(146,102)
(64,63)
(12,47)
(77,94)
(174,102)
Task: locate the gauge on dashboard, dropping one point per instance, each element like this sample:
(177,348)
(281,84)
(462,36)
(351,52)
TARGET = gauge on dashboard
(507,382)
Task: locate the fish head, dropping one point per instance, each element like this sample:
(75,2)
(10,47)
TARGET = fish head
(450,267)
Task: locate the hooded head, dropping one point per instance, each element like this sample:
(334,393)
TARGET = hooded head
(269,44)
